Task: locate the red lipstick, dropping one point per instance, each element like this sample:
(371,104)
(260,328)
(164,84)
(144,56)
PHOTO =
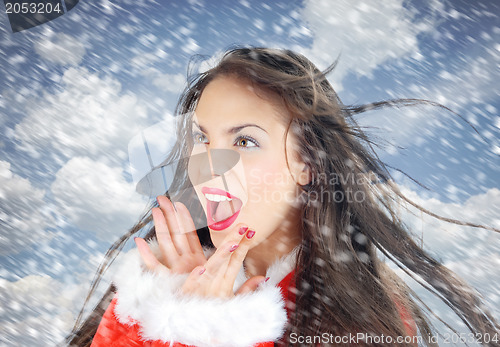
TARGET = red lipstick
(235,204)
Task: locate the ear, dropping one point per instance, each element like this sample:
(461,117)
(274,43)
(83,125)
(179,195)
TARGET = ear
(304,177)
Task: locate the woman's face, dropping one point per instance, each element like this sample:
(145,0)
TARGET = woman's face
(256,187)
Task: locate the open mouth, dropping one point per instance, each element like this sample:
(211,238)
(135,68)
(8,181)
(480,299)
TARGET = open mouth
(222,208)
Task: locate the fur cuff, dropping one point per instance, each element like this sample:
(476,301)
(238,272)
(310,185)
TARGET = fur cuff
(154,301)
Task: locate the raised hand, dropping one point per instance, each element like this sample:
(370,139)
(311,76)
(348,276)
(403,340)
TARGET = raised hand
(179,244)
(216,278)
(181,252)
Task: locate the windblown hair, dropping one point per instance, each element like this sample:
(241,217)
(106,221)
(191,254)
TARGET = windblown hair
(342,286)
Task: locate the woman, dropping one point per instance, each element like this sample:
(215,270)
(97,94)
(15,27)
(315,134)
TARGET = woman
(296,204)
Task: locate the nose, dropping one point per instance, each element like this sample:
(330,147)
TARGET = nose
(210,164)
(223,160)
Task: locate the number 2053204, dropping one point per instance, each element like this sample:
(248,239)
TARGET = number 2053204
(31,7)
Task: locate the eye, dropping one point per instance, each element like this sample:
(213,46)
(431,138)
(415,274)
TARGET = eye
(199,138)
(246,142)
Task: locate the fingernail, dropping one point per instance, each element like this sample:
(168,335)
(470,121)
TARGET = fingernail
(264,281)
(243,230)
(250,234)
(135,239)
(202,271)
(233,248)
(175,208)
(157,201)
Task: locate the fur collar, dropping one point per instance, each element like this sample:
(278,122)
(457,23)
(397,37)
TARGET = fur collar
(154,301)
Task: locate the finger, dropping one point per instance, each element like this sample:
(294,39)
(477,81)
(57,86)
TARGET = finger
(189,228)
(251,284)
(165,242)
(212,280)
(236,260)
(147,256)
(218,263)
(191,286)
(174,225)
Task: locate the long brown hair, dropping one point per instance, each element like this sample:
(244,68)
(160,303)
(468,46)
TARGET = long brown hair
(342,286)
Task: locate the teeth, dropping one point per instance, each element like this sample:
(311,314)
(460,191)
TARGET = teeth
(217,197)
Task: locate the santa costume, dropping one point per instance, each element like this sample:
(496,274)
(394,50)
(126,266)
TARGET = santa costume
(150,310)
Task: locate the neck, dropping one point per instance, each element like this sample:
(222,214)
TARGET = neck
(281,242)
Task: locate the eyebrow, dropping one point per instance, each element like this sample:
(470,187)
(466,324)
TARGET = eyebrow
(235,129)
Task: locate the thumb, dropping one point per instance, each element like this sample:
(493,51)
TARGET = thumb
(251,284)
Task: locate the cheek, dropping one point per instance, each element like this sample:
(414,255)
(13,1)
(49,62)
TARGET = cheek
(271,177)
(264,178)
(271,191)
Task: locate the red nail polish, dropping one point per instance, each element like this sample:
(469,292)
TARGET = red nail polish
(250,234)
(243,230)
(233,248)
(202,271)
(264,281)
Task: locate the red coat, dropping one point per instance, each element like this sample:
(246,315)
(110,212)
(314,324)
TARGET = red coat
(149,311)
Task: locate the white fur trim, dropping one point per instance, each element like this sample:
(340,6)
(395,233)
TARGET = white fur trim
(282,267)
(155,302)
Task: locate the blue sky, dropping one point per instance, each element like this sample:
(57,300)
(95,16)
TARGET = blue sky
(74,91)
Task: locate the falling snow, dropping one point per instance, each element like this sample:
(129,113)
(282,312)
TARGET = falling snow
(74,91)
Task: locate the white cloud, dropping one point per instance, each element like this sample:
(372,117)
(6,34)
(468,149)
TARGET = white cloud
(89,117)
(145,60)
(367,34)
(86,127)
(96,197)
(473,80)
(454,242)
(38,310)
(482,272)
(173,83)
(462,85)
(364,33)
(60,48)
(23,210)
(32,313)
(190,46)
(471,253)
